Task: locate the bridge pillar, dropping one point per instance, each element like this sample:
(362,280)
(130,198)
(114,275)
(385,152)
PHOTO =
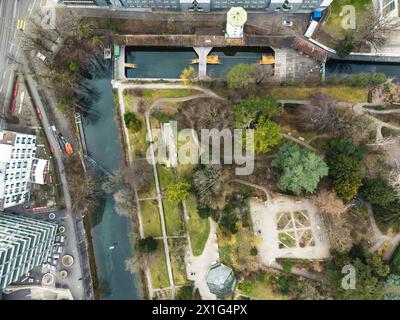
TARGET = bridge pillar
(202,52)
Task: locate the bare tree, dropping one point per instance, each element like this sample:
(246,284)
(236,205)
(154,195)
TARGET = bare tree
(374,28)
(329,203)
(210,114)
(319,114)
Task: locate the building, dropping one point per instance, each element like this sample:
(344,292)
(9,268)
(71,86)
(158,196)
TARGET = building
(221,280)
(25,243)
(388,8)
(18,167)
(210,5)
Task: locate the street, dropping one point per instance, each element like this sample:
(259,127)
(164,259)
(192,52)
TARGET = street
(11,12)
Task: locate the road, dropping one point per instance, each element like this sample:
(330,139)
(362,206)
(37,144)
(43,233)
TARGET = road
(10,13)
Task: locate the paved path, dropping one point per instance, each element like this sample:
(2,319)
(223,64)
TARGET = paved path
(303,143)
(198,266)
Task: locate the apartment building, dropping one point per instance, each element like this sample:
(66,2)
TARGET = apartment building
(25,243)
(210,5)
(19,167)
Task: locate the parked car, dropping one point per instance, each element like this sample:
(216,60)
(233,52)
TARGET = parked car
(41,57)
(287,23)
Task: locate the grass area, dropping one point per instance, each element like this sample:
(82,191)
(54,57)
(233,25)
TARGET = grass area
(333,23)
(177,250)
(172,210)
(173,218)
(341,93)
(199,228)
(158,268)
(138,141)
(259,287)
(166,176)
(167,93)
(150,218)
(130,101)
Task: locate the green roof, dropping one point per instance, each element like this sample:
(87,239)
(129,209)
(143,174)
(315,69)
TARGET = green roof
(221,280)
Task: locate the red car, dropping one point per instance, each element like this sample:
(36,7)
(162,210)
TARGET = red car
(39,113)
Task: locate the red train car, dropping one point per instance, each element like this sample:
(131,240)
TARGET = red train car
(14,96)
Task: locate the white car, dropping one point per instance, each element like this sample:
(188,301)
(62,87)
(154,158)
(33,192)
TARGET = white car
(41,56)
(287,23)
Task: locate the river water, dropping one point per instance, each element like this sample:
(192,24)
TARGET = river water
(109,228)
(341,68)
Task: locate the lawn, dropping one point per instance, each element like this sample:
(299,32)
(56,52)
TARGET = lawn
(158,268)
(138,141)
(167,93)
(259,288)
(341,93)
(173,218)
(166,176)
(172,210)
(333,23)
(151,188)
(150,218)
(130,101)
(199,228)
(177,252)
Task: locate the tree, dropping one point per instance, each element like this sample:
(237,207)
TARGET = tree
(188,75)
(369,271)
(266,135)
(301,169)
(375,29)
(319,114)
(329,203)
(347,174)
(377,191)
(123,202)
(346,167)
(131,122)
(388,213)
(345,46)
(241,76)
(208,182)
(392,287)
(178,191)
(210,114)
(248,111)
(350,125)
(148,245)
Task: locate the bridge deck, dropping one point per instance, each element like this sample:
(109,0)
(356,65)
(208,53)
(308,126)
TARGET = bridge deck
(201,41)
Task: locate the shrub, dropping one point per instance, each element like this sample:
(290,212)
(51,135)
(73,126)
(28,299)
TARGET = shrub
(148,245)
(253,251)
(131,122)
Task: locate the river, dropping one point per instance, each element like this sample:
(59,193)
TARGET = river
(339,68)
(108,228)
